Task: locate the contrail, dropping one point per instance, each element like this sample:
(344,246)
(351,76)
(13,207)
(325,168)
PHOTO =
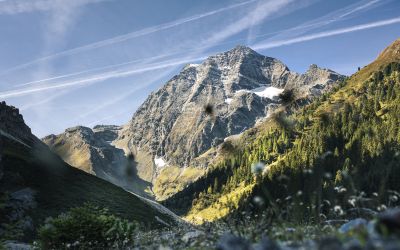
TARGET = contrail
(325,20)
(92,70)
(269,7)
(100,77)
(314,36)
(114,74)
(121,38)
(362,7)
(346,13)
(121,97)
(178,61)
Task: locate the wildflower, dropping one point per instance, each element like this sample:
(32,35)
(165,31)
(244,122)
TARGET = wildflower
(258,201)
(338,210)
(381,208)
(352,202)
(299,193)
(326,154)
(257,168)
(290,230)
(327,202)
(283,177)
(307,171)
(394,198)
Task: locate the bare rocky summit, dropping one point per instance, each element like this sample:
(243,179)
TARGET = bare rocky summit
(172,127)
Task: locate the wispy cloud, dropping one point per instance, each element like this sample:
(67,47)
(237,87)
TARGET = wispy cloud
(265,10)
(257,15)
(335,32)
(326,20)
(98,77)
(110,101)
(128,36)
(12,7)
(249,20)
(57,77)
(362,7)
(262,12)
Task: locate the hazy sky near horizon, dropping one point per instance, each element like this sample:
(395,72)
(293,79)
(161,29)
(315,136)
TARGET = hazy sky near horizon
(85,62)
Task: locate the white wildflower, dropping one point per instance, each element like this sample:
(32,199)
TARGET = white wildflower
(257,168)
(381,208)
(352,202)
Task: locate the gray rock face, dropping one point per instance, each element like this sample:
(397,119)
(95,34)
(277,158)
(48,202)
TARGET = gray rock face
(172,123)
(171,128)
(12,125)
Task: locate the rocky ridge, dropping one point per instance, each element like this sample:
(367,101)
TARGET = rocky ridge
(92,151)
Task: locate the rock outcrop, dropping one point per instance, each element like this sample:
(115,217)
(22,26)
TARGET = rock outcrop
(91,150)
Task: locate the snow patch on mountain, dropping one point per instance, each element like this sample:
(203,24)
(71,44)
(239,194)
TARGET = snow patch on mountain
(228,100)
(268,92)
(159,161)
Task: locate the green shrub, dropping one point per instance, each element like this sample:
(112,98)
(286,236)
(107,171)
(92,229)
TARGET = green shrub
(87,227)
(9,229)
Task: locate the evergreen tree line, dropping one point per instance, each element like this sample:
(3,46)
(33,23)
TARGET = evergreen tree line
(344,144)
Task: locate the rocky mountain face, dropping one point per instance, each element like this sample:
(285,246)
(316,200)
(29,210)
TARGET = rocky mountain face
(91,150)
(12,125)
(194,111)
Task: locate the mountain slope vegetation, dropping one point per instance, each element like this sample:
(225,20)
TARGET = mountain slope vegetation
(344,145)
(36,184)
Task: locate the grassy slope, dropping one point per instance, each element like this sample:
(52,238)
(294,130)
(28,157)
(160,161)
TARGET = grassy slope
(60,186)
(333,104)
(221,208)
(173,179)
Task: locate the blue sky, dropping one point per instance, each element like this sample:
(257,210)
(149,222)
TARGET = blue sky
(86,62)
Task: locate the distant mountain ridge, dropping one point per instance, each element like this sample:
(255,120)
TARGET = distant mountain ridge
(170,129)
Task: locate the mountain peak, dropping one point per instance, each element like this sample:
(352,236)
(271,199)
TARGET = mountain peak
(391,53)
(172,129)
(78,128)
(242,50)
(12,123)
(388,55)
(236,56)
